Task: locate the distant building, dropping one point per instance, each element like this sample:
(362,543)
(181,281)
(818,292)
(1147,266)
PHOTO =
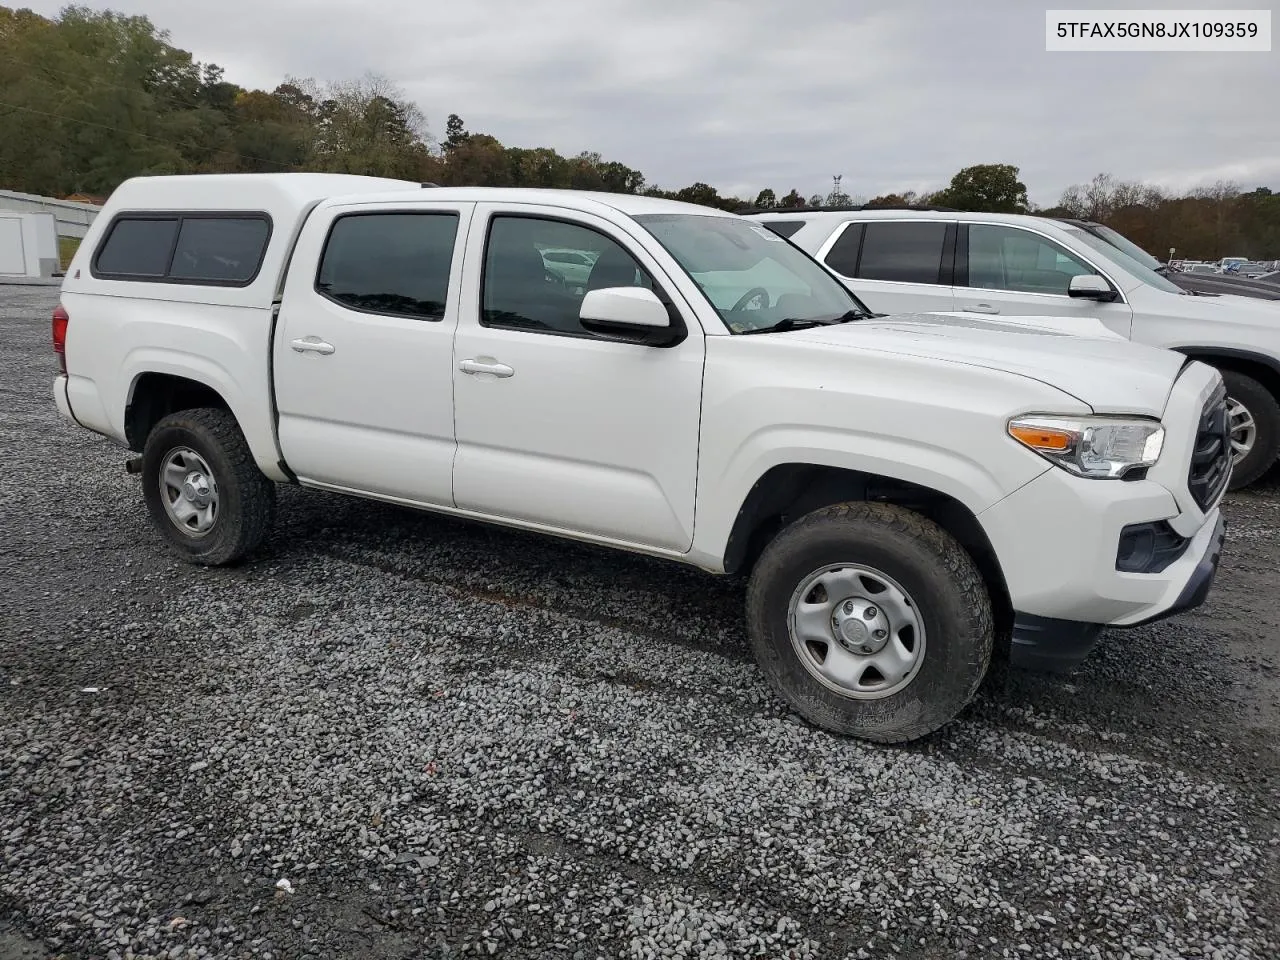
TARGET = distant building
(72,216)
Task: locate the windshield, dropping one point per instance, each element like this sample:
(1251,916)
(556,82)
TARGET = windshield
(1121,242)
(754,278)
(1124,261)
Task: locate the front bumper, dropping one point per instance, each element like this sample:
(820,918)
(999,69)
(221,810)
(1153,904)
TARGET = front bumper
(1053,645)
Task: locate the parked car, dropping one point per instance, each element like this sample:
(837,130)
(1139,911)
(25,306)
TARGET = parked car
(572,267)
(923,260)
(899,490)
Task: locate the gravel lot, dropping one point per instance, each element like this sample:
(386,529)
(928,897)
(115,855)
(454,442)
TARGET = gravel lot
(445,740)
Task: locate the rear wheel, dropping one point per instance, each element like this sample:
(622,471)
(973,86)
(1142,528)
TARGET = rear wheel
(1255,428)
(870,620)
(203,489)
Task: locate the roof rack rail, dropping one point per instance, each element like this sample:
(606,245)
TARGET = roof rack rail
(927,208)
(425,184)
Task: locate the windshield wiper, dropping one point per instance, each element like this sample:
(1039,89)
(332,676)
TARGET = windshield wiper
(787,323)
(803,323)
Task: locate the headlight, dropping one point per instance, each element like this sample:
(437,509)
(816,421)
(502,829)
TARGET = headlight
(1095,447)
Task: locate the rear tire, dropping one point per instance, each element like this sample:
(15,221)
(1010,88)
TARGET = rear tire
(1255,420)
(930,643)
(203,489)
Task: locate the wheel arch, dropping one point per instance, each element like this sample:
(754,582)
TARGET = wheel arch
(153,395)
(1259,366)
(786,492)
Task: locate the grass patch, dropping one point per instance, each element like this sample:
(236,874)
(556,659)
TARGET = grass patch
(67,247)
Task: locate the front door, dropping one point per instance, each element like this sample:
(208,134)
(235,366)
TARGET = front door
(1012,271)
(364,350)
(556,426)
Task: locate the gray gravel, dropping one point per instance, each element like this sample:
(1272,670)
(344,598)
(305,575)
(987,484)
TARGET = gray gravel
(393,735)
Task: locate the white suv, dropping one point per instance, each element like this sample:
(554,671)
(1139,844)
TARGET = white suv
(903,261)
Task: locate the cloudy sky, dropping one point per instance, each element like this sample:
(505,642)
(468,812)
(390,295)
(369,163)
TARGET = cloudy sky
(744,94)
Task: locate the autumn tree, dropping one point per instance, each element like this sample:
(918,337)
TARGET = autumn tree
(987,187)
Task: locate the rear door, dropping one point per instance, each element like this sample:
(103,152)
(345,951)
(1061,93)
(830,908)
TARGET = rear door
(363,357)
(895,266)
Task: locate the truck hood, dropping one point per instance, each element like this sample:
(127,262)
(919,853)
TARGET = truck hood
(1105,371)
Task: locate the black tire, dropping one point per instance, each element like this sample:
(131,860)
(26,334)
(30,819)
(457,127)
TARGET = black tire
(246,498)
(1259,401)
(935,571)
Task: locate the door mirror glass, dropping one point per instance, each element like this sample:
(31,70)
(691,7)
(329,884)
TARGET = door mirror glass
(1090,286)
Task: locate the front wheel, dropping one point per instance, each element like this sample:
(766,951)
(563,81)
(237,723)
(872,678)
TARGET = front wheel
(1254,418)
(203,489)
(870,620)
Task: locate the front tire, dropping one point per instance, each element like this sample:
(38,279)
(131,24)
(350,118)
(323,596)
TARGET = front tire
(870,620)
(203,489)
(1255,428)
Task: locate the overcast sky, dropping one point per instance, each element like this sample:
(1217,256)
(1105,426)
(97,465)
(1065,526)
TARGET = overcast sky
(744,94)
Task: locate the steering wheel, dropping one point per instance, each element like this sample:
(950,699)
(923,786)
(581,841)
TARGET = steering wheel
(754,293)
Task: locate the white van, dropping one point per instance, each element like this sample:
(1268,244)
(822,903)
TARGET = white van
(902,261)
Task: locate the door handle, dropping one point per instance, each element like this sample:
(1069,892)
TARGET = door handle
(981,308)
(312,345)
(491,367)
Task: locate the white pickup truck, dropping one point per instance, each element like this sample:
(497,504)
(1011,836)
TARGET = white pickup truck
(903,491)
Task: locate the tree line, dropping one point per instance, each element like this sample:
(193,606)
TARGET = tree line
(90,98)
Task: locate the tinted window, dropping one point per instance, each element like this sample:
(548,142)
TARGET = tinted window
(137,248)
(907,252)
(219,250)
(522,293)
(784,228)
(391,263)
(1005,258)
(843,255)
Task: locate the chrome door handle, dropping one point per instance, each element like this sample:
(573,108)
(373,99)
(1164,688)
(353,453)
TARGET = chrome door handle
(981,308)
(312,345)
(491,367)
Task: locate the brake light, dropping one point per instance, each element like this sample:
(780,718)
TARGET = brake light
(60,320)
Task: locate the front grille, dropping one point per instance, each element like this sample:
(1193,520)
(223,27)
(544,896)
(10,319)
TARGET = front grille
(1211,456)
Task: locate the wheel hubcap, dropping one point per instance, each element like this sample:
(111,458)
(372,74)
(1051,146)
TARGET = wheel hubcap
(1244,430)
(189,492)
(857,631)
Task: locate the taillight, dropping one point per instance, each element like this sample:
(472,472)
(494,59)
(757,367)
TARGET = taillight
(60,320)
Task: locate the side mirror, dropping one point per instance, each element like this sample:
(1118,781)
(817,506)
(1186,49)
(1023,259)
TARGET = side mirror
(634,314)
(1090,286)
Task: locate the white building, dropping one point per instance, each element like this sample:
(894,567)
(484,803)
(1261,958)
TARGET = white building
(28,246)
(72,218)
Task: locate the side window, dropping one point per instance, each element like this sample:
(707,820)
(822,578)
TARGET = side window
(137,248)
(784,228)
(843,255)
(390,263)
(902,251)
(222,250)
(522,291)
(1006,258)
(185,248)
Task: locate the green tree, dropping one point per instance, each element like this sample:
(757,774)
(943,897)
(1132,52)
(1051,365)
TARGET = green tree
(766,199)
(986,187)
(791,200)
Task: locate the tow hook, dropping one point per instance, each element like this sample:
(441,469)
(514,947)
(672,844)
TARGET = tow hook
(133,466)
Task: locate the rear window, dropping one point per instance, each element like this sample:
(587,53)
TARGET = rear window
(184,248)
(906,252)
(390,263)
(138,248)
